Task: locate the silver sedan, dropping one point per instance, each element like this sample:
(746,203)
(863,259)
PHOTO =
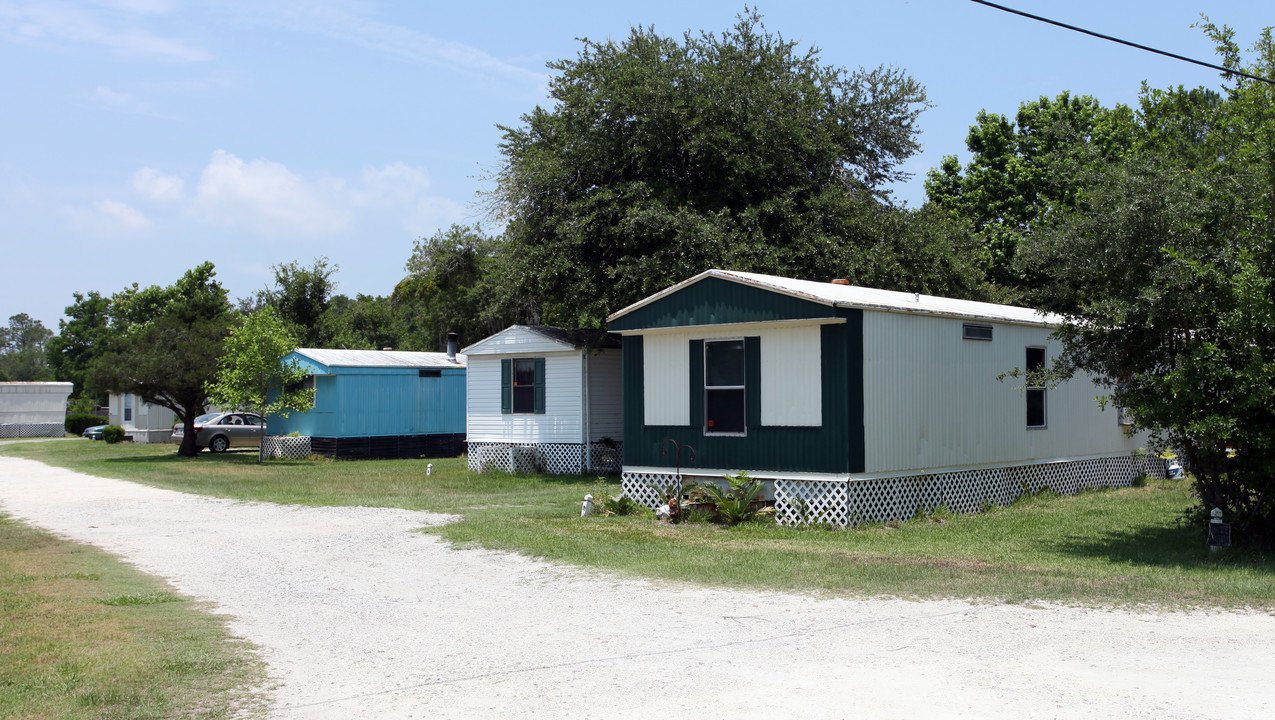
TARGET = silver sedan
(221,431)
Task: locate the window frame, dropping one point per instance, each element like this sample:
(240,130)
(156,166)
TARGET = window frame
(1036,390)
(967,327)
(514,387)
(742,389)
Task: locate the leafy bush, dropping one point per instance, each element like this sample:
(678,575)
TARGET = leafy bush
(734,504)
(620,505)
(77,423)
(113,434)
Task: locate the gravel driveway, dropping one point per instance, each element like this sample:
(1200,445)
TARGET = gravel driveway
(359,616)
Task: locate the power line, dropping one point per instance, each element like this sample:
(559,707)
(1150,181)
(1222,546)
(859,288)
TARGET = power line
(1226,70)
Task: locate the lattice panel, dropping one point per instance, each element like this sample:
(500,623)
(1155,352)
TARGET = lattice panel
(1151,466)
(283,446)
(649,488)
(32,430)
(554,458)
(604,458)
(806,502)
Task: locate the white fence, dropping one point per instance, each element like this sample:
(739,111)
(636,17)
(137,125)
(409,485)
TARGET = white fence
(285,446)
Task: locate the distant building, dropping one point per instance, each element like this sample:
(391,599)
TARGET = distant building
(33,409)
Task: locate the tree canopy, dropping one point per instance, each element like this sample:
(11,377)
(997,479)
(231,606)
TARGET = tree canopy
(1165,265)
(167,350)
(22,346)
(662,157)
(252,373)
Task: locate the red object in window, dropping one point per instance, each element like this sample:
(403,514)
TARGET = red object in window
(710,423)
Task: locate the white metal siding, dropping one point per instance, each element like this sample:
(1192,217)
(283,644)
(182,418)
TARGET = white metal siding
(791,392)
(606,417)
(666,379)
(931,399)
(560,422)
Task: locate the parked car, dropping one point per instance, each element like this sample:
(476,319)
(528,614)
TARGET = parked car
(94,432)
(221,431)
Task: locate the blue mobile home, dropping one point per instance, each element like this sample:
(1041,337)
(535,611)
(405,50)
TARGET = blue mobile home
(380,403)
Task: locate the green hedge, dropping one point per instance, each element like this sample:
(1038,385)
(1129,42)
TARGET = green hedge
(77,423)
(113,434)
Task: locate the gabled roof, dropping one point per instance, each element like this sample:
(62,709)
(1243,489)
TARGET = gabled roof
(568,338)
(380,358)
(852,296)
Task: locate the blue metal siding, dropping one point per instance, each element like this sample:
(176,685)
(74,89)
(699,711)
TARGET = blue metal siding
(372,402)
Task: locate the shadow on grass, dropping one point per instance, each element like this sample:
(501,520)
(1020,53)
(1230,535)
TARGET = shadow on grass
(1166,547)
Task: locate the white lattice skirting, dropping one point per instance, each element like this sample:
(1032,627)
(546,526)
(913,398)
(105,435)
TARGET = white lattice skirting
(32,430)
(554,458)
(284,446)
(844,503)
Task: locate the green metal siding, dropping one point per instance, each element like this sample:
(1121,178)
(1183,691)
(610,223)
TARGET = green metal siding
(835,447)
(714,301)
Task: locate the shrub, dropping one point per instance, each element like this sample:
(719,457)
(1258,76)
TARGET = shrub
(77,423)
(113,434)
(734,504)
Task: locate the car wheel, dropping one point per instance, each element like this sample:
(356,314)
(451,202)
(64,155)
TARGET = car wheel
(218,444)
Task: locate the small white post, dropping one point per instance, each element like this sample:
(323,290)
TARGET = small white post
(586,508)
(1215,517)
(429,469)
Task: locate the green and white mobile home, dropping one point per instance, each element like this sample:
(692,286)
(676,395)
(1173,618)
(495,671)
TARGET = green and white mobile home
(855,404)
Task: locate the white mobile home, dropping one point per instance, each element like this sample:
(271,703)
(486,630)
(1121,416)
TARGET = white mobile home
(544,398)
(142,421)
(856,404)
(33,409)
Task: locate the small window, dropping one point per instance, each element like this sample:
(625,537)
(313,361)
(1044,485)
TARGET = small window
(524,388)
(305,384)
(724,387)
(128,408)
(1035,387)
(430,373)
(970,331)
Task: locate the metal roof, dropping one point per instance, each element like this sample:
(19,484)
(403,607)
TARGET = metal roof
(381,358)
(573,338)
(854,296)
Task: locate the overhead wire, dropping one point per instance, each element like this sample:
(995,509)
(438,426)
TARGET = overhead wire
(1175,56)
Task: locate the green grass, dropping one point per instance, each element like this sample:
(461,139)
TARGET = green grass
(1108,548)
(82,635)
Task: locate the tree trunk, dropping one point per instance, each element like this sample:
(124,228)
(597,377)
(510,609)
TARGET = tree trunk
(188,447)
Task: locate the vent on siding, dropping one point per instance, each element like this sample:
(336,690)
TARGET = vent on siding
(430,373)
(970,331)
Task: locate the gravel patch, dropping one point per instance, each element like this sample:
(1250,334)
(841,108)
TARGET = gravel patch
(357,615)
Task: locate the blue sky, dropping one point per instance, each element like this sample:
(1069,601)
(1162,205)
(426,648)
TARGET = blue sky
(142,137)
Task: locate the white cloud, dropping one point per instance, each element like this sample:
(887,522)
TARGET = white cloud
(122,101)
(343,21)
(268,198)
(155,185)
(60,22)
(108,217)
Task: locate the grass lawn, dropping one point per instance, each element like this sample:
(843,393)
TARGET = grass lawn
(82,635)
(1108,548)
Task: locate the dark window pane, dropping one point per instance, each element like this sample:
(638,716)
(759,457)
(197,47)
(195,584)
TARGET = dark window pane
(1035,407)
(1035,359)
(724,411)
(724,363)
(524,372)
(524,399)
